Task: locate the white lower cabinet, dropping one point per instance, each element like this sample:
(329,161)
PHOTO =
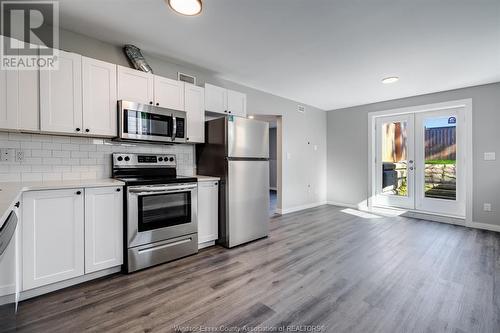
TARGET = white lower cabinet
(103,228)
(208,212)
(68,233)
(53,233)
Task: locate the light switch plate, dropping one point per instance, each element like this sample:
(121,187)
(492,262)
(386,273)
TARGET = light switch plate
(490,156)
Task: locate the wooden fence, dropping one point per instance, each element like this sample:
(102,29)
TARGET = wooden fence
(440,143)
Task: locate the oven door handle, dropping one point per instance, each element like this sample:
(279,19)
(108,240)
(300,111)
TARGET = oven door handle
(159,190)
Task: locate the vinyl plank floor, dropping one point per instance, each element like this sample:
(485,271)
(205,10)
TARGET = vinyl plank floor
(320,268)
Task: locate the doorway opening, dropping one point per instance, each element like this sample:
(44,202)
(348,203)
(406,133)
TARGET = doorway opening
(275,149)
(419,159)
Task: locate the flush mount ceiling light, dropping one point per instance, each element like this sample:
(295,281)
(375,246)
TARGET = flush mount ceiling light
(390,79)
(186,7)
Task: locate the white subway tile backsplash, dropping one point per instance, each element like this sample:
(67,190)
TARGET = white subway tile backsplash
(49,157)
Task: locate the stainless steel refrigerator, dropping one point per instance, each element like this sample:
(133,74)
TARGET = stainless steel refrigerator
(237,150)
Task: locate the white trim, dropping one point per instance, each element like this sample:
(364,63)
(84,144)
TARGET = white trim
(273,188)
(299,208)
(484,226)
(341,204)
(67,283)
(467,105)
(205,244)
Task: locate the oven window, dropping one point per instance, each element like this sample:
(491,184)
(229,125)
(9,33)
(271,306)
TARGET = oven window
(164,210)
(144,123)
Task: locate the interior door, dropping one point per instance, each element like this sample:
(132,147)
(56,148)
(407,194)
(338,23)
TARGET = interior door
(394,162)
(439,142)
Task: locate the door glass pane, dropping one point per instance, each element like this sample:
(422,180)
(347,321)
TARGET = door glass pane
(440,157)
(164,210)
(394,158)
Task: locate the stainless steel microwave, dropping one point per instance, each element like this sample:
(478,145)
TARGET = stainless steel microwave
(142,122)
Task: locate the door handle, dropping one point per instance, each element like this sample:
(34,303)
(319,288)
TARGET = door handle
(174,127)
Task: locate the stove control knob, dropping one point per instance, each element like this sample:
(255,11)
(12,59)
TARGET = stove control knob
(171,159)
(120,158)
(160,159)
(127,158)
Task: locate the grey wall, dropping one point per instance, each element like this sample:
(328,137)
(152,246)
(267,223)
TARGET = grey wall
(303,168)
(272,158)
(347,142)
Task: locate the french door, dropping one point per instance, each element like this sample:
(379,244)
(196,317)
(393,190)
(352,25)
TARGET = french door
(419,162)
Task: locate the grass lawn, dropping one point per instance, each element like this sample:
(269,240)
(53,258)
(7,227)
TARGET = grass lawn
(441,162)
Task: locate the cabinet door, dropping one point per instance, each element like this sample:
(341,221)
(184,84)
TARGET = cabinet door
(99,97)
(52,242)
(169,93)
(134,85)
(215,99)
(9,83)
(28,107)
(61,95)
(195,112)
(237,103)
(208,215)
(103,228)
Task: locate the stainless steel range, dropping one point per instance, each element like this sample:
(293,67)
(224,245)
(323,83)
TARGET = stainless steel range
(160,219)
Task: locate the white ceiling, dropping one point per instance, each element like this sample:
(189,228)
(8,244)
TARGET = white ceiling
(325,53)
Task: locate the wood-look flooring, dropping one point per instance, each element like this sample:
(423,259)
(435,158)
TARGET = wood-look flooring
(322,267)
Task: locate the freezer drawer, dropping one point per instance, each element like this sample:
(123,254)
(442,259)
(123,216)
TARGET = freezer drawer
(247,198)
(247,138)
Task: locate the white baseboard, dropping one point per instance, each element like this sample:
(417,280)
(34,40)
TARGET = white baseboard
(484,226)
(299,208)
(67,283)
(342,204)
(205,244)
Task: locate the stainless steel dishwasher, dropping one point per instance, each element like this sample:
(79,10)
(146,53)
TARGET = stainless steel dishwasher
(9,271)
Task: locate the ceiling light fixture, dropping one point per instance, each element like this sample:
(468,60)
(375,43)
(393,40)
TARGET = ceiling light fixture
(391,79)
(186,7)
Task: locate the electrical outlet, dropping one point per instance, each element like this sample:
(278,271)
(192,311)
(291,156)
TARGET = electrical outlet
(19,156)
(487,207)
(7,154)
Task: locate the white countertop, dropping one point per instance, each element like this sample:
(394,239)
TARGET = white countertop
(10,192)
(202,178)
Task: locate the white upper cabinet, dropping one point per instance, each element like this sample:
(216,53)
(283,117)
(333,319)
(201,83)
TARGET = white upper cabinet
(53,236)
(99,97)
(19,90)
(103,228)
(215,99)
(195,112)
(168,93)
(61,95)
(236,103)
(8,99)
(28,112)
(225,101)
(135,86)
